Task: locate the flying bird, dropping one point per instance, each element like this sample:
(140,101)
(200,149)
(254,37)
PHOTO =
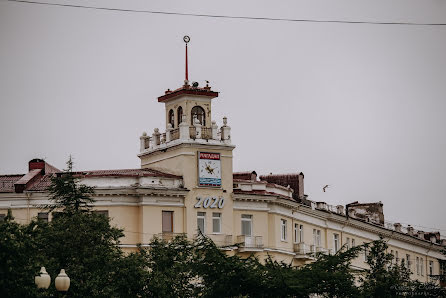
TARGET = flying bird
(325,187)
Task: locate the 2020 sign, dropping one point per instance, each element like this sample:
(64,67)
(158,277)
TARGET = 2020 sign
(210,202)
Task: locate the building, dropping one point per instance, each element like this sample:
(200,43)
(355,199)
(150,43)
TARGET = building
(186,184)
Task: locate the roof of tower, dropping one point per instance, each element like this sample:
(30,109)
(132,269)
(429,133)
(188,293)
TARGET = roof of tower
(188,90)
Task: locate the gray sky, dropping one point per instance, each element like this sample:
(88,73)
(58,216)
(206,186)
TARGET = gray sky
(360,107)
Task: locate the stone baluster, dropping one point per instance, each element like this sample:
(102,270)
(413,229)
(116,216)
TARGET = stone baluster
(169,133)
(197,125)
(163,138)
(214,130)
(184,129)
(226,131)
(156,138)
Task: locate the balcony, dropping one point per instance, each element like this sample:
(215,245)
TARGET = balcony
(250,243)
(304,251)
(186,133)
(167,236)
(220,240)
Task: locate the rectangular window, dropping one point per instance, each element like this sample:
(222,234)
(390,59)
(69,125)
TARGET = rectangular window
(348,242)
(247,224)
(353,242)
(417,265)
(2,217)
(317,238)
(167,221)
(336,243)
(283,230)
(42,216)
(396,257)
(431,267)
(421,266)
(366,252)
(408,261)
(216,222)
(201,222)
(296,233)
(393,256)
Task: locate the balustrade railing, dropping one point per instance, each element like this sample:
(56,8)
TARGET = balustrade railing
(250,241)
(193,132)
(175,134)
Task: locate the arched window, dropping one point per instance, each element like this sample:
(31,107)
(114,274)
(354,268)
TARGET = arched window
(198,112)
(171,118)
(180,115)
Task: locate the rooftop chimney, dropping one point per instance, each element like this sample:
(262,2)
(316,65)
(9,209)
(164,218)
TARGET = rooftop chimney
(410,230)
(397,227)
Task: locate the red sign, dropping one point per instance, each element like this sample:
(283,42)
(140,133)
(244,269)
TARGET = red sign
(205,155)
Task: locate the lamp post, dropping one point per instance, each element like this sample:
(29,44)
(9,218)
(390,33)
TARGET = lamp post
(43,280)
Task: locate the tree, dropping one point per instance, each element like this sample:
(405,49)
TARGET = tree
(19,258)
(67,193)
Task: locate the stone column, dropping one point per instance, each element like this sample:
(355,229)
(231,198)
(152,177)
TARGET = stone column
(168,133)
(226,131)
(214,130)
(144,141)
(197,126)
(184,129)
(156,138)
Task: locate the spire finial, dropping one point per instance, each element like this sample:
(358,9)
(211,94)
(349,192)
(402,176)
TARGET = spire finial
(186,39)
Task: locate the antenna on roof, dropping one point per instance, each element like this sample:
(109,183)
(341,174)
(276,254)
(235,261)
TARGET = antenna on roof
(186,39)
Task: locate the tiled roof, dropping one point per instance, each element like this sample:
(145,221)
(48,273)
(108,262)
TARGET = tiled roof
(206,91)
(244,175)
(7,182)
(126,173)
(261,192)
(44,181)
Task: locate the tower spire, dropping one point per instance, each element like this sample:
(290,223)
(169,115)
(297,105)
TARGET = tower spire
(186,39)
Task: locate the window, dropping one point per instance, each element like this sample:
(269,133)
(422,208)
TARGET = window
(431,267)
(283,234)
(348,243)
(402,262)
(201,222)
(101,212)
(393,256)
(167,221)
(2,217)
(216,222)
(301,233)
(317,238)
(396,257)
(171,118)
(421,266)
(42,216)
(298,233)
(336,242)
(180,115)
(198,112)
(417,264)
(353,242)
(366,253)
(247,224)
(408,261)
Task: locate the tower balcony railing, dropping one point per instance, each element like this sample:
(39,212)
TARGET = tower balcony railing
(185,132)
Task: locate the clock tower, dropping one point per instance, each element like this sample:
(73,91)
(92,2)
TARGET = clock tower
(194,147)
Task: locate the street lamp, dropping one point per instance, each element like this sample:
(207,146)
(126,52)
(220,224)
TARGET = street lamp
(43,280)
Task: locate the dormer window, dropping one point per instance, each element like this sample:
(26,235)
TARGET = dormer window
(171,118)
(198,112)
(180,115)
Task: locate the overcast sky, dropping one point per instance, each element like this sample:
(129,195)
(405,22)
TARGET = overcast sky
(357,106)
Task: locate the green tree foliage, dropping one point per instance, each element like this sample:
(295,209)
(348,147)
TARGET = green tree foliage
(19,258)
(67,193)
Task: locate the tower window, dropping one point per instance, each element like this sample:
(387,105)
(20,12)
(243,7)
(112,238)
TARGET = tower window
(171,118)
(198,112)
(180,115)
